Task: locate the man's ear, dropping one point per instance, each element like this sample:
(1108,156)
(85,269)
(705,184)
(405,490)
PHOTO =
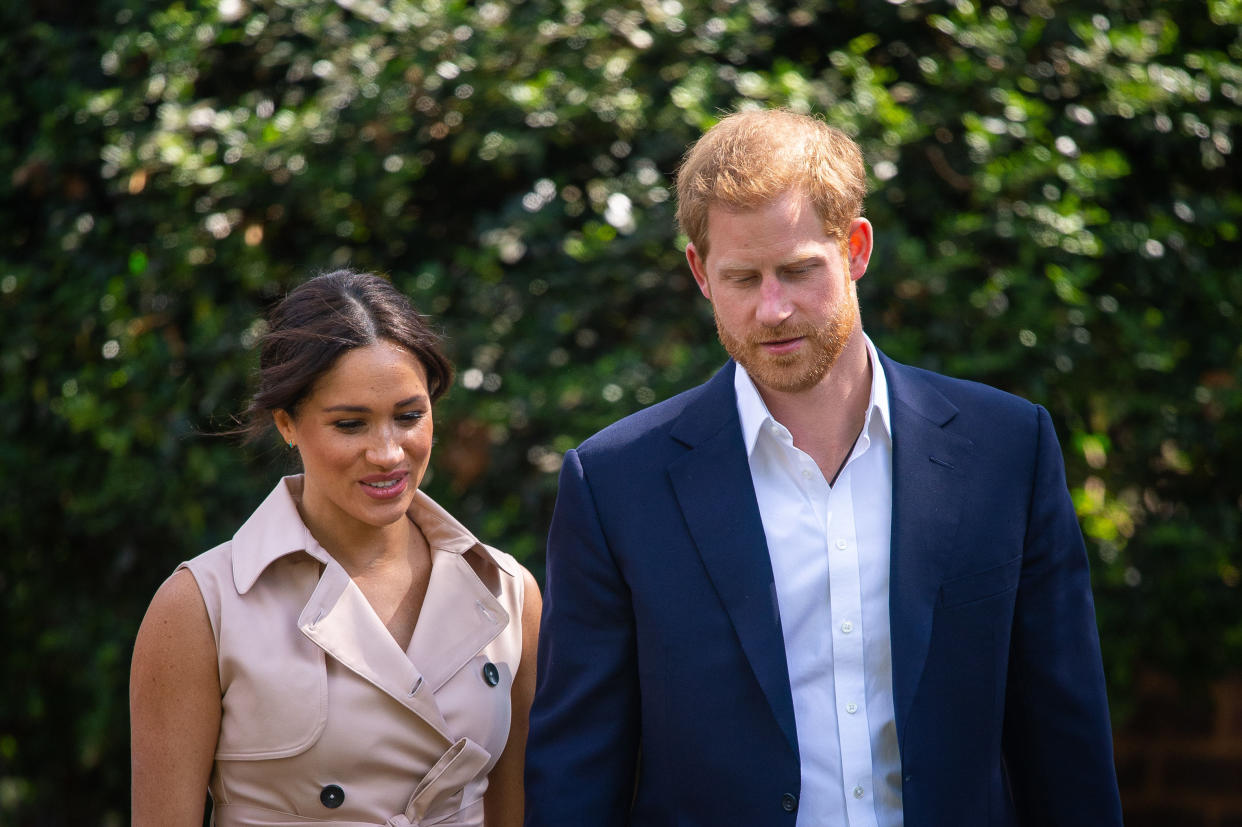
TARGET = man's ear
(699,268)
(858,247)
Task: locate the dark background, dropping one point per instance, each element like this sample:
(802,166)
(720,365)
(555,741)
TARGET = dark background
(1056,203)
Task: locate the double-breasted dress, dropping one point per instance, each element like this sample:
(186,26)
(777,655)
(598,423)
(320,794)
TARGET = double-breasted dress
(326,719)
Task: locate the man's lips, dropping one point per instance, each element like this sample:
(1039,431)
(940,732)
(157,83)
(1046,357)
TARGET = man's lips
(779,346)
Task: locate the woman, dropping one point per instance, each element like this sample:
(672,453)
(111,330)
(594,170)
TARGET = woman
(353,656)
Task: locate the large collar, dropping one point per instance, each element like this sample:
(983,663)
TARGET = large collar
(753,412)
(276,530)
(713,406)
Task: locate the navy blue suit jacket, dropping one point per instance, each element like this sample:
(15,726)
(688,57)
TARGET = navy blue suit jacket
(663,694)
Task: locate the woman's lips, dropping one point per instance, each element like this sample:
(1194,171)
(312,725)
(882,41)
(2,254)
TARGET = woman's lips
(385,486)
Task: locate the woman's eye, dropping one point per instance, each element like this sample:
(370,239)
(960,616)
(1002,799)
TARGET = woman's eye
(348,425)
(410,417)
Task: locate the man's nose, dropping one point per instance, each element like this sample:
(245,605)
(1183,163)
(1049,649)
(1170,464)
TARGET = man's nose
(774,304)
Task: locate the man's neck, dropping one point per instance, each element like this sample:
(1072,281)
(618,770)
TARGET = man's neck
(825,420)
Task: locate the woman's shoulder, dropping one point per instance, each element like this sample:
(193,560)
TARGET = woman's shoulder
(274,533)
(521,588)
(523,581)
(210,576)
(179,595)
(216,560)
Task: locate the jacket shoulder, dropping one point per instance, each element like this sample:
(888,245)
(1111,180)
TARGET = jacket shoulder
(974,401)
(641,428)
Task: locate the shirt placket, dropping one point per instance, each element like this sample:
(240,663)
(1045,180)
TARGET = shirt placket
(845,605)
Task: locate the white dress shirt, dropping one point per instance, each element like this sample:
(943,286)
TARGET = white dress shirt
(829,547)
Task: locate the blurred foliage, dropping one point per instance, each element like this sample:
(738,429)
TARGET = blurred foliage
(1057,211)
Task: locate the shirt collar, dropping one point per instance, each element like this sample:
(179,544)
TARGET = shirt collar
(276,530)
(754,414)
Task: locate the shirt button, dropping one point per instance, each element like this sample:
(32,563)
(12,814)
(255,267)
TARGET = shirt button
(858,792)
(851,708)
(789,802)
(332,796)
(841,544)
(491,675)
(846,626)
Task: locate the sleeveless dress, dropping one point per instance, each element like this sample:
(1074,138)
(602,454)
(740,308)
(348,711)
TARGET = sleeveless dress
(326,719)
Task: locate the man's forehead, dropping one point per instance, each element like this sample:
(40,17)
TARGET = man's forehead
(793,201)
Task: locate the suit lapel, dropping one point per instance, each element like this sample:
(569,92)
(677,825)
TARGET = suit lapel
(930,465)
(714,490)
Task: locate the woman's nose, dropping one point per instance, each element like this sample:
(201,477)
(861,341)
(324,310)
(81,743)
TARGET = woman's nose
(385,449)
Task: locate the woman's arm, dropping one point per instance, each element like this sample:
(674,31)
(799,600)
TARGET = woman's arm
(174,707)
(504,800)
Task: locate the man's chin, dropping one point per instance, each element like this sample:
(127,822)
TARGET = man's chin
(783,374)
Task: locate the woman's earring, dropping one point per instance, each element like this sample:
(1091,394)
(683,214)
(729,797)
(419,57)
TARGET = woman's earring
(290,443)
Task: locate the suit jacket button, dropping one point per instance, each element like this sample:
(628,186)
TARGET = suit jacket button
(789,802)
(332,796)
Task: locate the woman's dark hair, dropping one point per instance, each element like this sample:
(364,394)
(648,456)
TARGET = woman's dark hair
(323,318)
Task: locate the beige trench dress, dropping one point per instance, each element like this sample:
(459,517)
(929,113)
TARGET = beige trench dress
(326,720)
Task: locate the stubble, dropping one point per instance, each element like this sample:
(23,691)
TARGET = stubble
(802,370)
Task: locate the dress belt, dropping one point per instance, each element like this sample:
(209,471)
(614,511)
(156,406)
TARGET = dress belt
(437,800)
(439,794)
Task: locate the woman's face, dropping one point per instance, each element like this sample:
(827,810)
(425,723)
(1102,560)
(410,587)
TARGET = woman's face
(364,434)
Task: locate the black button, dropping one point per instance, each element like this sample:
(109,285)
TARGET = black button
(332,796)
(789,802)
(491,674)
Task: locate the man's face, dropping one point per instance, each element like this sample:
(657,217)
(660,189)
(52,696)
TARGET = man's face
(782,289)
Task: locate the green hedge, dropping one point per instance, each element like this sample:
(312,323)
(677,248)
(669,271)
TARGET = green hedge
(1056,204)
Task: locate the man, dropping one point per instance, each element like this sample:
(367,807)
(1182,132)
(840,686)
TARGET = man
(823,588)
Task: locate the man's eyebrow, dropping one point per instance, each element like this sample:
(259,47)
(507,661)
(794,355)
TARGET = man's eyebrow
(797,261)
(728,269)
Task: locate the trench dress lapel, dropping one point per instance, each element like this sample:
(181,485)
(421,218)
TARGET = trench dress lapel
(458,618)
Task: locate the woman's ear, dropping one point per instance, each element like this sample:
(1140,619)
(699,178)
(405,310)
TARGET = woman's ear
(284,424)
